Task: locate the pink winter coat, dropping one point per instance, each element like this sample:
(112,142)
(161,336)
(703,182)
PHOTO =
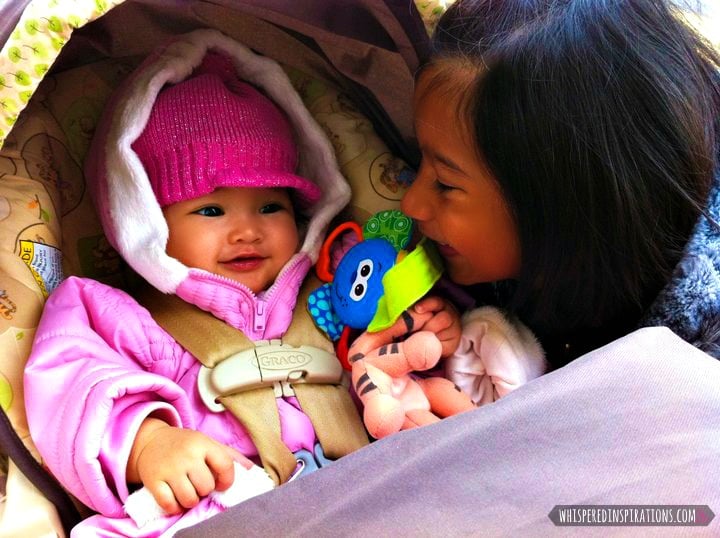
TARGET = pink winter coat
(103,365)
(100,364)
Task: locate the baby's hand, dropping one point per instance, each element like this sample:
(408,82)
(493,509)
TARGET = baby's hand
(445,322)
(180,466)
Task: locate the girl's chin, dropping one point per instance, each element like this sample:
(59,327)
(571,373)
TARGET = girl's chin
(462,280)
(461,272)
(457,271)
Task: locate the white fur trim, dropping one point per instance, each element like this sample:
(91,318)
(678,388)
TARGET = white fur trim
(142,508)
(248,483)
(495,356)
(519,337)
(141,234)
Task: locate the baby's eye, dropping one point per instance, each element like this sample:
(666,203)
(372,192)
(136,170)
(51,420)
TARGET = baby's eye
(210,211)
(273,207)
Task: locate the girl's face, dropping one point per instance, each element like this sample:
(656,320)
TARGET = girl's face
(245,234)
(454,199)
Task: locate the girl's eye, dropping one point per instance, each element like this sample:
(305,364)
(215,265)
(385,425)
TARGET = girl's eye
(442,187)
(271,208)
(210,211)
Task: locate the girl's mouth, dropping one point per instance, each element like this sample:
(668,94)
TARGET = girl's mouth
(446,251)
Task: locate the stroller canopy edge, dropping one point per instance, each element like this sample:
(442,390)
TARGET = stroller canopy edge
(33,45)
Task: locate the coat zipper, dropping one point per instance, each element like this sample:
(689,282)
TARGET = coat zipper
(259,321)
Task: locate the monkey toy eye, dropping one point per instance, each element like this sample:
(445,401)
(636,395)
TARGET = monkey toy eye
(358,292)
(365,270)
(360,285)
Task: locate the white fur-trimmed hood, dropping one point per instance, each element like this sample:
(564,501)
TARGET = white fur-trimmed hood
(132,218)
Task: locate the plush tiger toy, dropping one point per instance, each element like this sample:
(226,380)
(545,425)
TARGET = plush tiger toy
(393,396)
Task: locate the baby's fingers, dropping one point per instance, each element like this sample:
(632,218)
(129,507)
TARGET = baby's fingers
(202,480)
(221,462)
(164,497)
(185,493)
(239,457)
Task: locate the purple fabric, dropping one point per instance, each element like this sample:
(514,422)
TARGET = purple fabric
(372,47)
(10,12)
(635,422)
(13,447)
(366,21)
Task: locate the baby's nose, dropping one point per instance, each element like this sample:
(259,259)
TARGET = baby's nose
(245,230)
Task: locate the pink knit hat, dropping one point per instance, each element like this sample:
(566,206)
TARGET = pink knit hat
(213,130)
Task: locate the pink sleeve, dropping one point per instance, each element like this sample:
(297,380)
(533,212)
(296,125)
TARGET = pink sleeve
(127,415)
(494,357)
(88,385)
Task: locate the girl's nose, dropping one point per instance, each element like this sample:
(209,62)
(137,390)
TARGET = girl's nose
(416,202)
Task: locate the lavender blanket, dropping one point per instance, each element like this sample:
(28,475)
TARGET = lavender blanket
(636,422)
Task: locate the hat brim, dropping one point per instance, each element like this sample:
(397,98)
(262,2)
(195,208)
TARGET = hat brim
(306,192)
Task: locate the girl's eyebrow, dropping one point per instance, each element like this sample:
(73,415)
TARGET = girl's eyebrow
(448,162)
(443,159)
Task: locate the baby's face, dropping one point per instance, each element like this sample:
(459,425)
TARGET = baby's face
(245,234)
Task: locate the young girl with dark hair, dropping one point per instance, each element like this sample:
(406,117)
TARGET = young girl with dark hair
(569,166)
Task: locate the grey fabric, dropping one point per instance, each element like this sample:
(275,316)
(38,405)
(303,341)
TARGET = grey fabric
(690,303)
(635,422)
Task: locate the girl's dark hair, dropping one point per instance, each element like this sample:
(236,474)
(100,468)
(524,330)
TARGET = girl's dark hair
(599,120)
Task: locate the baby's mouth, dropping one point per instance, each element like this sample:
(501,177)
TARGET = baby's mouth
(244,262)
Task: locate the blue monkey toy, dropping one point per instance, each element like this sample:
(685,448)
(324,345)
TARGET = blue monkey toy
(375,280)
(357,287)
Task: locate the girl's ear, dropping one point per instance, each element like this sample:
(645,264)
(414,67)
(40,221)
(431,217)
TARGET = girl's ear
(324,263)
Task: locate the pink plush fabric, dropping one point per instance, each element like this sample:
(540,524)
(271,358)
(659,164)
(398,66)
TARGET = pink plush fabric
(213,130)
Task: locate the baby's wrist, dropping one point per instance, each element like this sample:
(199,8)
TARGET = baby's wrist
(148,429)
